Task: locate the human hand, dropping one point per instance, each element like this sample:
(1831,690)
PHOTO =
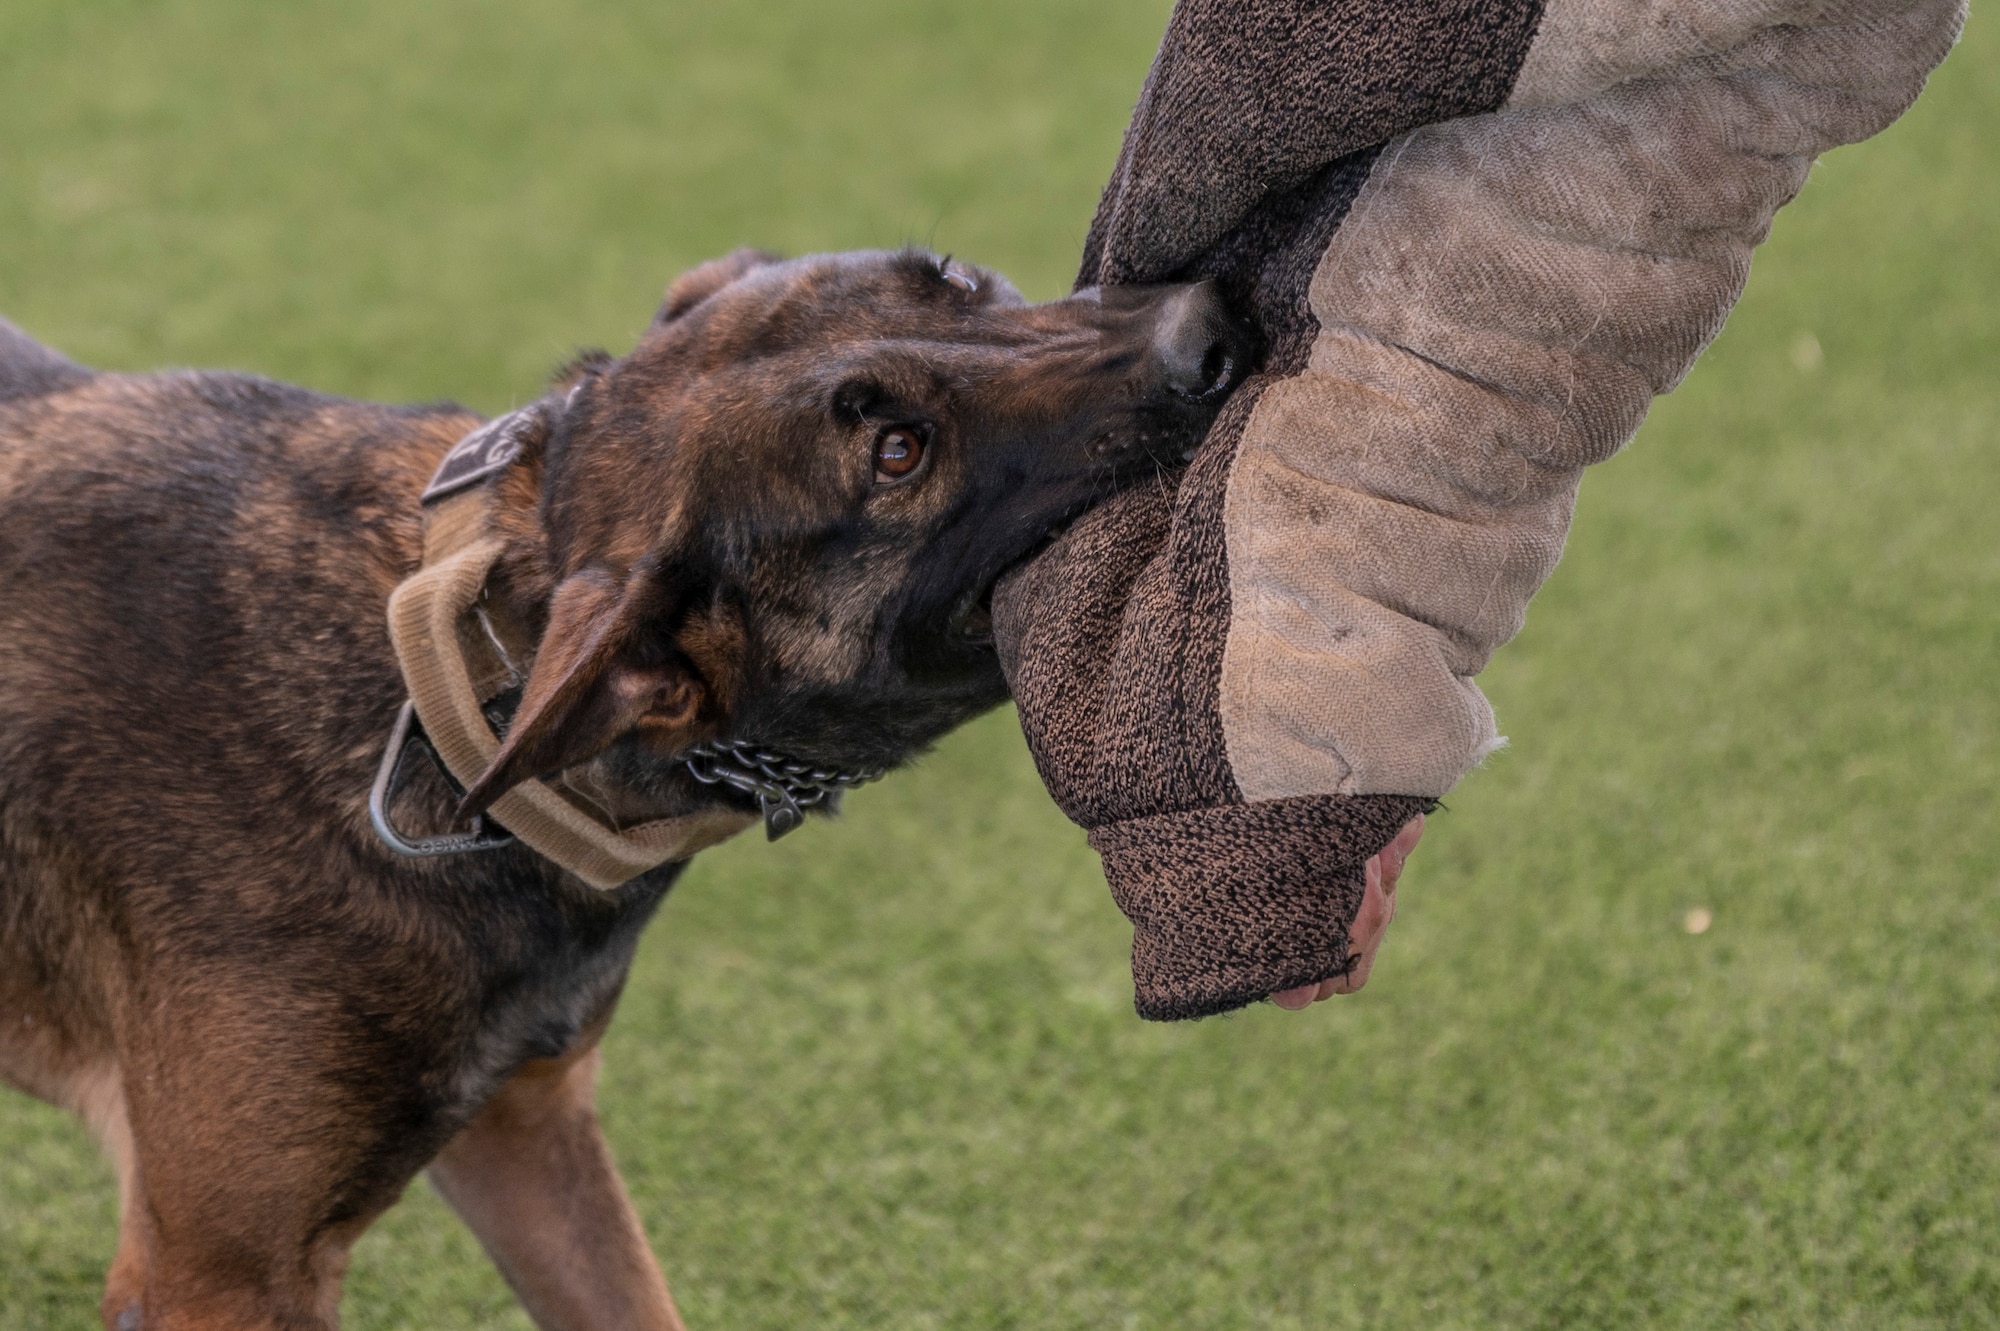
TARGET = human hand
(1371,922)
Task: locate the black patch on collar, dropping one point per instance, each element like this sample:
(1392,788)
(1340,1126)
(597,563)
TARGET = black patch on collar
(491,448)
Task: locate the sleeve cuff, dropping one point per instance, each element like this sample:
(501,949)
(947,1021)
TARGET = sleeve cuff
(1232,903)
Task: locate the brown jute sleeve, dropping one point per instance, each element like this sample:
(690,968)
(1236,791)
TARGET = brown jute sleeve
(1478,237)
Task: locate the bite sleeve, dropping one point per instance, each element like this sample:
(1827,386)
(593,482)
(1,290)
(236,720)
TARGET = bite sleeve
(1478,237)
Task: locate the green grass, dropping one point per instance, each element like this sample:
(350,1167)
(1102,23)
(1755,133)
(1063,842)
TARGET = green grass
(885,1074)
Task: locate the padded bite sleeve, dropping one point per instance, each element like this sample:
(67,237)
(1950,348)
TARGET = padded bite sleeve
(1478,239)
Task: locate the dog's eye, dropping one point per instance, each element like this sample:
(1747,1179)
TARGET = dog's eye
(899,450)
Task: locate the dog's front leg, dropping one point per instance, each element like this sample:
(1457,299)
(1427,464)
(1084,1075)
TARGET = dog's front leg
(532,1176)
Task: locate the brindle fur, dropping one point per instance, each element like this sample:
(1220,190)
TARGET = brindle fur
(270,1020)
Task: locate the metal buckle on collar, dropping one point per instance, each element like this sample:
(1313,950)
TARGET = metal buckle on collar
(408,734)
(784,789)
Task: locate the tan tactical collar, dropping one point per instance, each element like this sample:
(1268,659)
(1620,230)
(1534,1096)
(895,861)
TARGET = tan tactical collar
(448,643)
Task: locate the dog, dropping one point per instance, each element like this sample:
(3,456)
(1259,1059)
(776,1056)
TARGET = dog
(725,575)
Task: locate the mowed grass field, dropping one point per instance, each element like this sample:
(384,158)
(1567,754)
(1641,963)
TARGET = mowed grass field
(886,1074)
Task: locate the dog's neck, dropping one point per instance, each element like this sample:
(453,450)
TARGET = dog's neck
(465,628)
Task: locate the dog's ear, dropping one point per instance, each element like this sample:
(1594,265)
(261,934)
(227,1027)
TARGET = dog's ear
(700,282)
(595,678)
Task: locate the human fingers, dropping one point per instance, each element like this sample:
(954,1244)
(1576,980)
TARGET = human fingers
(1371,922)
(1364,936)
(1291,1000)
(1397,853)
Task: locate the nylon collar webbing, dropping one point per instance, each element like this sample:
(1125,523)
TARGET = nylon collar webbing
(451,665)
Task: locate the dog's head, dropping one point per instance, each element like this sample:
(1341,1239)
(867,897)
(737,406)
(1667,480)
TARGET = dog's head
(779,519)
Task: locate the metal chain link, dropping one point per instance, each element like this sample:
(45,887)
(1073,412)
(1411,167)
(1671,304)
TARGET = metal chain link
(784,789)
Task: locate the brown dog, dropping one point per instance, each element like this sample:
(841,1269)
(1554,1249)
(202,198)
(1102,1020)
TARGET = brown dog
(776,521)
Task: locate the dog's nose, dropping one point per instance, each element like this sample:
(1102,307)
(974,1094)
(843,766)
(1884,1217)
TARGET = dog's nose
(1198,347)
